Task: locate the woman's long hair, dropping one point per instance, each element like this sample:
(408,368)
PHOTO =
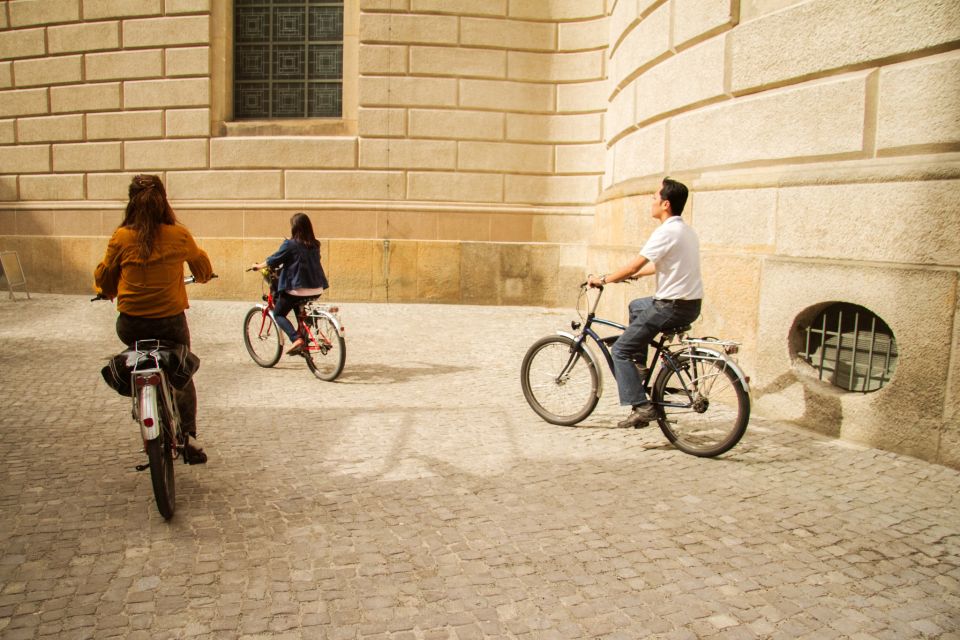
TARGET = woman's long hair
(301,230)
(147,209)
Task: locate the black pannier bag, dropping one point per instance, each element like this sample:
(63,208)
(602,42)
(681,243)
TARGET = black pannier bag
(175,359)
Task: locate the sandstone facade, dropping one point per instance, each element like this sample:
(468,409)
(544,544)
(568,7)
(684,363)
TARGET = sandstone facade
(495,151)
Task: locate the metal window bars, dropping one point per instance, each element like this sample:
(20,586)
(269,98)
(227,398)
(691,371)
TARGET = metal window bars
(288,59)
(851,348)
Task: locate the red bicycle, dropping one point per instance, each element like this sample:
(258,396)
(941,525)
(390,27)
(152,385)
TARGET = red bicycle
(319,325)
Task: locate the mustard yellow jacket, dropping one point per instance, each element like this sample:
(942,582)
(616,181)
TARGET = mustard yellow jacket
(151,288)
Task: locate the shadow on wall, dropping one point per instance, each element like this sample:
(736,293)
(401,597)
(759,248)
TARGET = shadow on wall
(822,410)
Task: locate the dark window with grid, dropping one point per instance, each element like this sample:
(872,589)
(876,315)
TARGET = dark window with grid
(287,59)
(850,347)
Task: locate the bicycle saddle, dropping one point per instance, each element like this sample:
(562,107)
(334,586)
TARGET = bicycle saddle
(672,331)
(306,300)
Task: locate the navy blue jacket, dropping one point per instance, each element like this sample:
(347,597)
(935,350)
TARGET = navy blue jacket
(301,267)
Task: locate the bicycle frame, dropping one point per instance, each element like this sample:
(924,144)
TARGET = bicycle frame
(665,354)
(314,309)
(303,312)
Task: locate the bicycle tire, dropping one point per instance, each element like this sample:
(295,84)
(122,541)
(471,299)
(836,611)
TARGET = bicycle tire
(160,456)
(326,350)
(261,336)
(566,401)
(714,418)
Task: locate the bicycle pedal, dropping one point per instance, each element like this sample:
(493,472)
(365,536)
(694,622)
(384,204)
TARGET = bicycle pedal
(141,467)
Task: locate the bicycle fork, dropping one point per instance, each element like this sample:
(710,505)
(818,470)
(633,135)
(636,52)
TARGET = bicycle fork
(571,363)
(579,350)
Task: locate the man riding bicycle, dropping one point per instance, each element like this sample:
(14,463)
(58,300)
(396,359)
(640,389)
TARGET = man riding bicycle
(672,253)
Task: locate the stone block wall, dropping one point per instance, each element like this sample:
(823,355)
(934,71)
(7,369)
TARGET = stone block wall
(820,141)
(468,127)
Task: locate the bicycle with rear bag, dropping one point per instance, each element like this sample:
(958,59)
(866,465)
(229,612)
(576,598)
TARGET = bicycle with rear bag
(700,393)
(324,347)
(148,372)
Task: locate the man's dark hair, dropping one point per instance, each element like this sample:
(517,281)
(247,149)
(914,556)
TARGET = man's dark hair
(676,194)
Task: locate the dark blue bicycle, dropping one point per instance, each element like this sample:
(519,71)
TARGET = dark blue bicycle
(701,394)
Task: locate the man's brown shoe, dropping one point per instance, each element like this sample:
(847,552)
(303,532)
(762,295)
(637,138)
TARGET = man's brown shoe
(640,417)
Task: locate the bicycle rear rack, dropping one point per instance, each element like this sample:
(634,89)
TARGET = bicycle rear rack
(729,347)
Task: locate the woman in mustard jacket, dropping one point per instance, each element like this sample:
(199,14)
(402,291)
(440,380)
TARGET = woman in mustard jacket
(143,270)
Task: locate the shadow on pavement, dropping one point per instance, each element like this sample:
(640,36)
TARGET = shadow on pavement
(386,373)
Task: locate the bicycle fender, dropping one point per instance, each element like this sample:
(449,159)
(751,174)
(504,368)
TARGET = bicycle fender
(148,414)
(274,318)
(730,363)
(743,378)
(591,356)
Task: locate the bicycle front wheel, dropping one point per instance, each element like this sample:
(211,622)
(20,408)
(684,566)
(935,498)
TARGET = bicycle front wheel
(560,381)
(326,349)
(261,337)
(704,406)
(160,456)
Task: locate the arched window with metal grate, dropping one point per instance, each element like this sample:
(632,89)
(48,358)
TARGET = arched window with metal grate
(849,346)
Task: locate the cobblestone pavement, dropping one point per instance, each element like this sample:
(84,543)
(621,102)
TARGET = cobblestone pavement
(419,497)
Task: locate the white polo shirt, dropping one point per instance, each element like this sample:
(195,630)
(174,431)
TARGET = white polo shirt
(675,250)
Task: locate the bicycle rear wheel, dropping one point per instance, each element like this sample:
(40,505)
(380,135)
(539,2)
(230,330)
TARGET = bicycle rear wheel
(160,456)
(261,337)
(560,384)
(703,404)
(326,350)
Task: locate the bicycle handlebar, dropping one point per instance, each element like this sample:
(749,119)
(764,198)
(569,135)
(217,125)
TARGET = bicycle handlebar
(191,279)
(585,283)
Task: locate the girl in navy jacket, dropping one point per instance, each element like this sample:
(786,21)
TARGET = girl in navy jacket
(301,275)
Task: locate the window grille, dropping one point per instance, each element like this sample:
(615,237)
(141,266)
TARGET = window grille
(850,347)
(288,59)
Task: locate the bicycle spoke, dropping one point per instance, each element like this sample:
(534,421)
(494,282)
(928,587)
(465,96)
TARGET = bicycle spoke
(559,386)
(261,337)
(325,348)
(705,409)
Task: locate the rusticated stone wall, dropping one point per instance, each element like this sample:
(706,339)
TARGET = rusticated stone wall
(820,140)
(464,169)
